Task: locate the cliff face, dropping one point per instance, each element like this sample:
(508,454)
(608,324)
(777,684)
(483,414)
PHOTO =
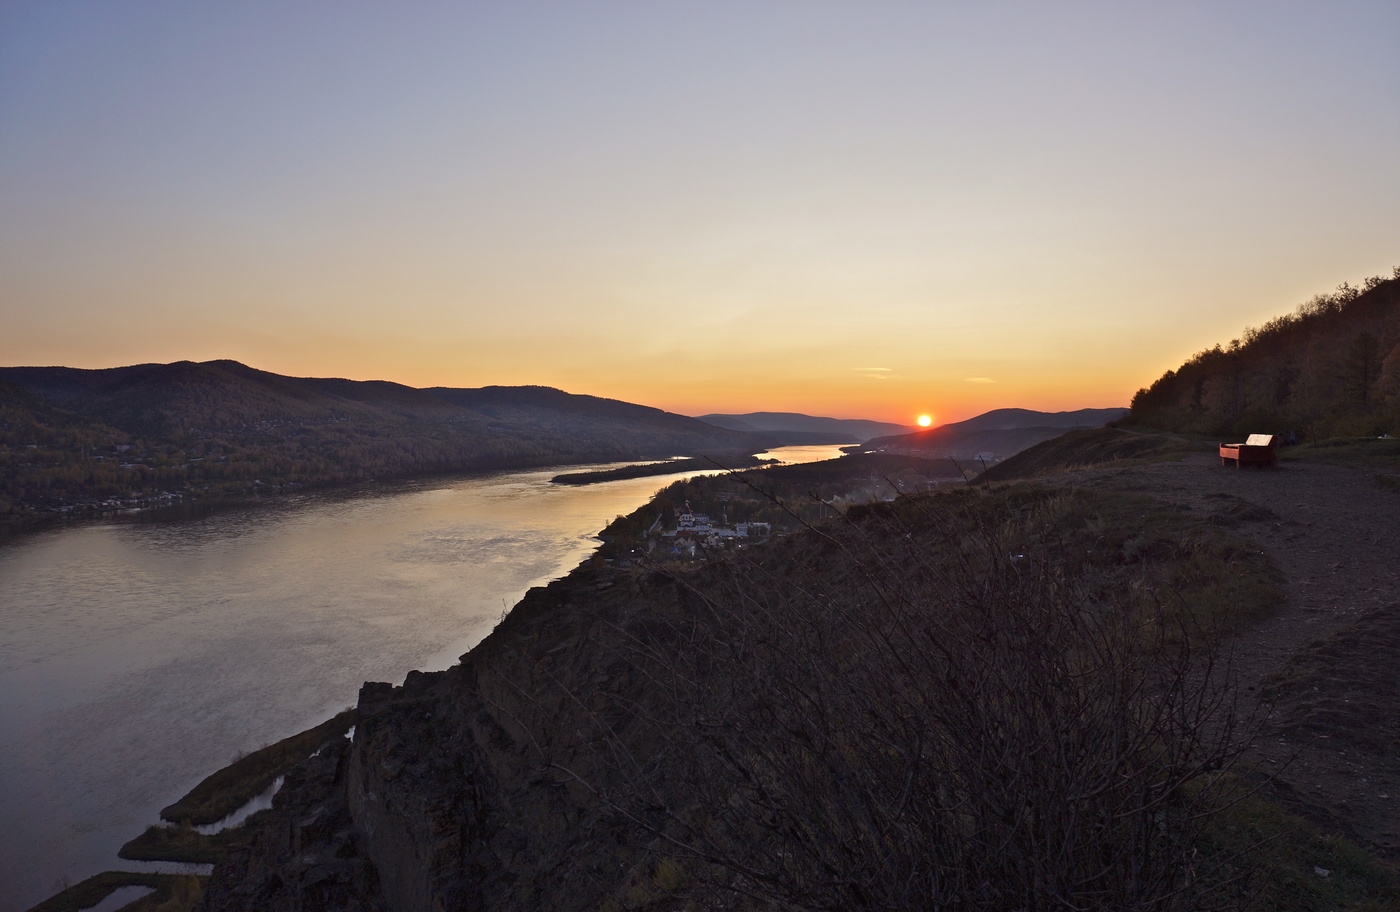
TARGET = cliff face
(465,789)
(307,856)
(939,699)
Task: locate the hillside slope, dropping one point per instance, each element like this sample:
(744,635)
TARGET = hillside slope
(992,436)
(595,420)
(84,440)
(1329,369)
(1325,660)
(1089,448)
(627,740)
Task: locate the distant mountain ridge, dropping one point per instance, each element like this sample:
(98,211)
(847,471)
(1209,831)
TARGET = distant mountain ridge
(1005,419)
(822,430)
(75,440)
(79,439)
(992,436)
(220,395)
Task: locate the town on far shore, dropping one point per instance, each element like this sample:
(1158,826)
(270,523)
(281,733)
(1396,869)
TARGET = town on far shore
(697,530)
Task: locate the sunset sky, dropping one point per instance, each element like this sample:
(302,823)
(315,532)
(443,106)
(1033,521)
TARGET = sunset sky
(873,209)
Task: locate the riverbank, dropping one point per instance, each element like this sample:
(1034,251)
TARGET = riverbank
(499,759)
(177,506)
(168,892)
(140,655)
(92,440)
(671,467)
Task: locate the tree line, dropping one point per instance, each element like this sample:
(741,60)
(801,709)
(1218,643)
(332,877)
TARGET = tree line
(1329,369)
(76,465)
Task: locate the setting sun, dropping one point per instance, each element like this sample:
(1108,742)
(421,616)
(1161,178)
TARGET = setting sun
(925,420)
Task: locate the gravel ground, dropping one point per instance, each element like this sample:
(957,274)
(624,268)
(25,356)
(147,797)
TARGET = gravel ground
(1326,665)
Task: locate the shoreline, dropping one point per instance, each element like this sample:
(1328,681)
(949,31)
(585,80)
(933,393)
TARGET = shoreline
(680,466)
(368,493)
(177,837)
(529,648)
(182,509)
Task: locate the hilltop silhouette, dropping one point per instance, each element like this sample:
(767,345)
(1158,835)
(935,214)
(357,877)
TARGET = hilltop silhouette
(74,440)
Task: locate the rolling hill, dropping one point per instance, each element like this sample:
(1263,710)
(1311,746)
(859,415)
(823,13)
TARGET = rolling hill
(80,440)
(991,436)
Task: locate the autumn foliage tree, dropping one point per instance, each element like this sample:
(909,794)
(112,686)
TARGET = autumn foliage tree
(1331,368)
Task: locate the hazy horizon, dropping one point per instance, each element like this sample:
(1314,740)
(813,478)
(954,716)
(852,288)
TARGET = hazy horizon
(868,212)
(911,424)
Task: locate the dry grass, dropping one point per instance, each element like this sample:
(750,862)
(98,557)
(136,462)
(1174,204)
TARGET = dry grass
(651,888)
(986,699)
(185,844)
(227,790)
(1212,582)
(1373,452)
(173,892)
(1091,448)
(1283,862)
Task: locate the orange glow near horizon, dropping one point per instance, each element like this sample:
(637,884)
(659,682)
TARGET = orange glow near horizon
(496,202)
(750,383)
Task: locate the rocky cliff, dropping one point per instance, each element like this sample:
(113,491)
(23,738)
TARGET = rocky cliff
(470,788)
(858,716)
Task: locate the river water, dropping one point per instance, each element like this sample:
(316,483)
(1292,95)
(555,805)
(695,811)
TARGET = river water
(138,657)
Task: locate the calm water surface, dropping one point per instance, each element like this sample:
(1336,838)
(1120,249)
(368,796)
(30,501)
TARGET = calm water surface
(136,658)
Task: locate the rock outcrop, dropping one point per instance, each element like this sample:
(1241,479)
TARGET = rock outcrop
(477,787)
(988,698)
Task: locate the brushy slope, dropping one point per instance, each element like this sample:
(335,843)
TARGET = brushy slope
(1085,449)
(986,699)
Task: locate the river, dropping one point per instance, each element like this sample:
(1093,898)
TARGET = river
(138,657)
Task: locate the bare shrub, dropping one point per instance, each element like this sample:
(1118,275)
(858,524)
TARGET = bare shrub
(943,704)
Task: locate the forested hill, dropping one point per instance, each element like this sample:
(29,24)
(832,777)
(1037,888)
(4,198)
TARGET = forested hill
(589,417)
(1329,369)
(77,440)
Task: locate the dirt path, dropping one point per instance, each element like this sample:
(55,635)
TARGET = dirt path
(1334,730)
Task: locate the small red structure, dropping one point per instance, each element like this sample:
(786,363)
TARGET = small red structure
(1257,450)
